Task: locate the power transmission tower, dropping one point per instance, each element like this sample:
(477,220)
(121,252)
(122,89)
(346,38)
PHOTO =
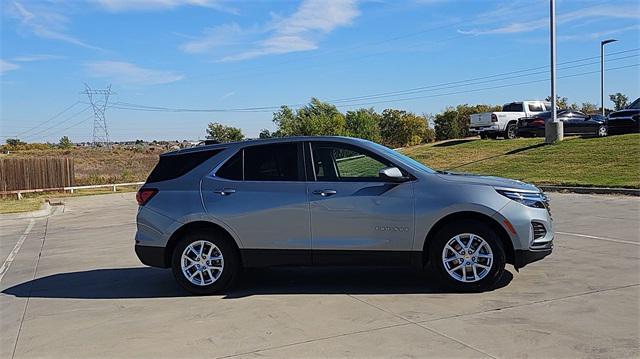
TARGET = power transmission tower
(99,100)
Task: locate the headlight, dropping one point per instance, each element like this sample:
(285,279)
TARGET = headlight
(529,199)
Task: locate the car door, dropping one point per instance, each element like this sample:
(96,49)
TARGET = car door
(261,194)
(356,217)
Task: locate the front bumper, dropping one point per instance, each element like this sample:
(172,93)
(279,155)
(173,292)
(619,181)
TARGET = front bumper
(152,256)
(523,257)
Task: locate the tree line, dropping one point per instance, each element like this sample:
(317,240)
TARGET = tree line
(391,127)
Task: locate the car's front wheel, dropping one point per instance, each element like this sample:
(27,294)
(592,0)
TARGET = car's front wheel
(467,256)
(204,263)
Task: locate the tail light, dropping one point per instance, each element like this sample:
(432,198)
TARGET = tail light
(494,118)
(144,195)
(537,121)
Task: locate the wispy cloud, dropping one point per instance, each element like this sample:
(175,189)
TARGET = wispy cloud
(6,66)
(141,5)
(227,95)
(598,34)
(36,57)
(126,73)
(300,31)
(619,11)
(45,24)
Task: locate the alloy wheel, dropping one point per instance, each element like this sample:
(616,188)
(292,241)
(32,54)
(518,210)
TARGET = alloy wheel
(467,258)
(202,263)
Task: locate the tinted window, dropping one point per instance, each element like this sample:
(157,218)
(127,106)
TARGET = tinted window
(336,162)
(277,162)
(536,107)
(174,165)
(512,107)
(232,169)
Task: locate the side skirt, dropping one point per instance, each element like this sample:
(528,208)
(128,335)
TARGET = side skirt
(253,258)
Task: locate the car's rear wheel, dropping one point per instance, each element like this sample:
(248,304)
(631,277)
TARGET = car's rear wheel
(602,131)
(204,263)
(467,256)
(483,136)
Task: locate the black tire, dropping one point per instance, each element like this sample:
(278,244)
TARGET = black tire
(483,136)
(492,136)
(230,269)
(449,231)
(511,131)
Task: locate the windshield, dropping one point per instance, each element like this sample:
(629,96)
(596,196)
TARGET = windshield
(400,157)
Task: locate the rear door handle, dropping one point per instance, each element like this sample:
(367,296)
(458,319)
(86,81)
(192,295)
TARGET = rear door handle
(225,191)
(325,192)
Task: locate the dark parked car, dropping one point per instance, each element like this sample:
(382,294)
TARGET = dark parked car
(574,123)
(627,120)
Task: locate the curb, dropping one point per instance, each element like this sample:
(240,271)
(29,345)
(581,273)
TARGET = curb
(44,211)
(592,190)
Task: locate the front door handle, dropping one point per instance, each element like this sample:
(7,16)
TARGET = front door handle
(225,191)
(325,192)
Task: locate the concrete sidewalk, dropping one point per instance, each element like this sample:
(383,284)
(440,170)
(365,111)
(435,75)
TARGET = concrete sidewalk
(76,289)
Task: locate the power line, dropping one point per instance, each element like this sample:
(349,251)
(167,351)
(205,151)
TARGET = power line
(437,87)
(32,135)
(50,119)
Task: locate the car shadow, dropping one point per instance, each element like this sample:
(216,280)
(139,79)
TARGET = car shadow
(145,282)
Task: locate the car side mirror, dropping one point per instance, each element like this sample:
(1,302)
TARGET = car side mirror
(392,174)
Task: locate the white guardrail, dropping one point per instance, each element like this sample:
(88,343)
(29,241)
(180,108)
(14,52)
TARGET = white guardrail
(71,189)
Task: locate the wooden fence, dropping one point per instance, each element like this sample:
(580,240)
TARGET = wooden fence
(32,173)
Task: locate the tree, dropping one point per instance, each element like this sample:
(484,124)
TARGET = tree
(619,100)
(363,123)
(400,128)
(454,122)
(221,133)
(561,102)
(14,142)
(65,142)
(589,108)
(264,133)
(315,119)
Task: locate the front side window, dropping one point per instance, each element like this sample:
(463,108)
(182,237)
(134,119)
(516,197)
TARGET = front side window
(337,162)
(274,162)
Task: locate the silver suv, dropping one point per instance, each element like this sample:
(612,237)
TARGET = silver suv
(209,211)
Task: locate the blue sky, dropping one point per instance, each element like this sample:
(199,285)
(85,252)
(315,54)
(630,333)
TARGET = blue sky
(216,54)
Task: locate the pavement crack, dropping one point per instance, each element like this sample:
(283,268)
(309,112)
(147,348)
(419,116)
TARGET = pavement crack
(420,324)
(35,273)
(542,301)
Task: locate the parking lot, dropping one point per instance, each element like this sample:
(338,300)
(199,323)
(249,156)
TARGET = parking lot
(74,288)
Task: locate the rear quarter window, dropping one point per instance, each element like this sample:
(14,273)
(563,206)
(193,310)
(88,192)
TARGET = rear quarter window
(172,166)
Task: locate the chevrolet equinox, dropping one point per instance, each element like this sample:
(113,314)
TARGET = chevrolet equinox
(207,212)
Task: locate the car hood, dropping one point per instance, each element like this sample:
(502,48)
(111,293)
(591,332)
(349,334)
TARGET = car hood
(467,178)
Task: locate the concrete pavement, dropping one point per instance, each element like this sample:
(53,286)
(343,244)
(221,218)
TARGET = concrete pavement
(76,289)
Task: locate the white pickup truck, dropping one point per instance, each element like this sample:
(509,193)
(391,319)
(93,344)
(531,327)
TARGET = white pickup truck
(504,123)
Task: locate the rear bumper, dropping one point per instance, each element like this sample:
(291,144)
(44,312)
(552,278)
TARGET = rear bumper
(484,129)
(152,256)
(530,131)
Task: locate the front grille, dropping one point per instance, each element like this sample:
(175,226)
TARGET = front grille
(538,230)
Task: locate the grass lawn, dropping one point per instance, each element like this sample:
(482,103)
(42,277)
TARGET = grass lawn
(33,201)
(601,162)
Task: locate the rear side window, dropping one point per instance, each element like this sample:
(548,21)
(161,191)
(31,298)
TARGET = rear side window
(175,165)
(536,107)
(512,107)
(275,162)
(232,169)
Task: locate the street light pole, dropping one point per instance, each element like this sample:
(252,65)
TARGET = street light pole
(602,43)
(553,129)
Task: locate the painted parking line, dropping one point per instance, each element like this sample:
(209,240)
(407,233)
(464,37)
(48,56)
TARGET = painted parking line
(7,263)
(598,238)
